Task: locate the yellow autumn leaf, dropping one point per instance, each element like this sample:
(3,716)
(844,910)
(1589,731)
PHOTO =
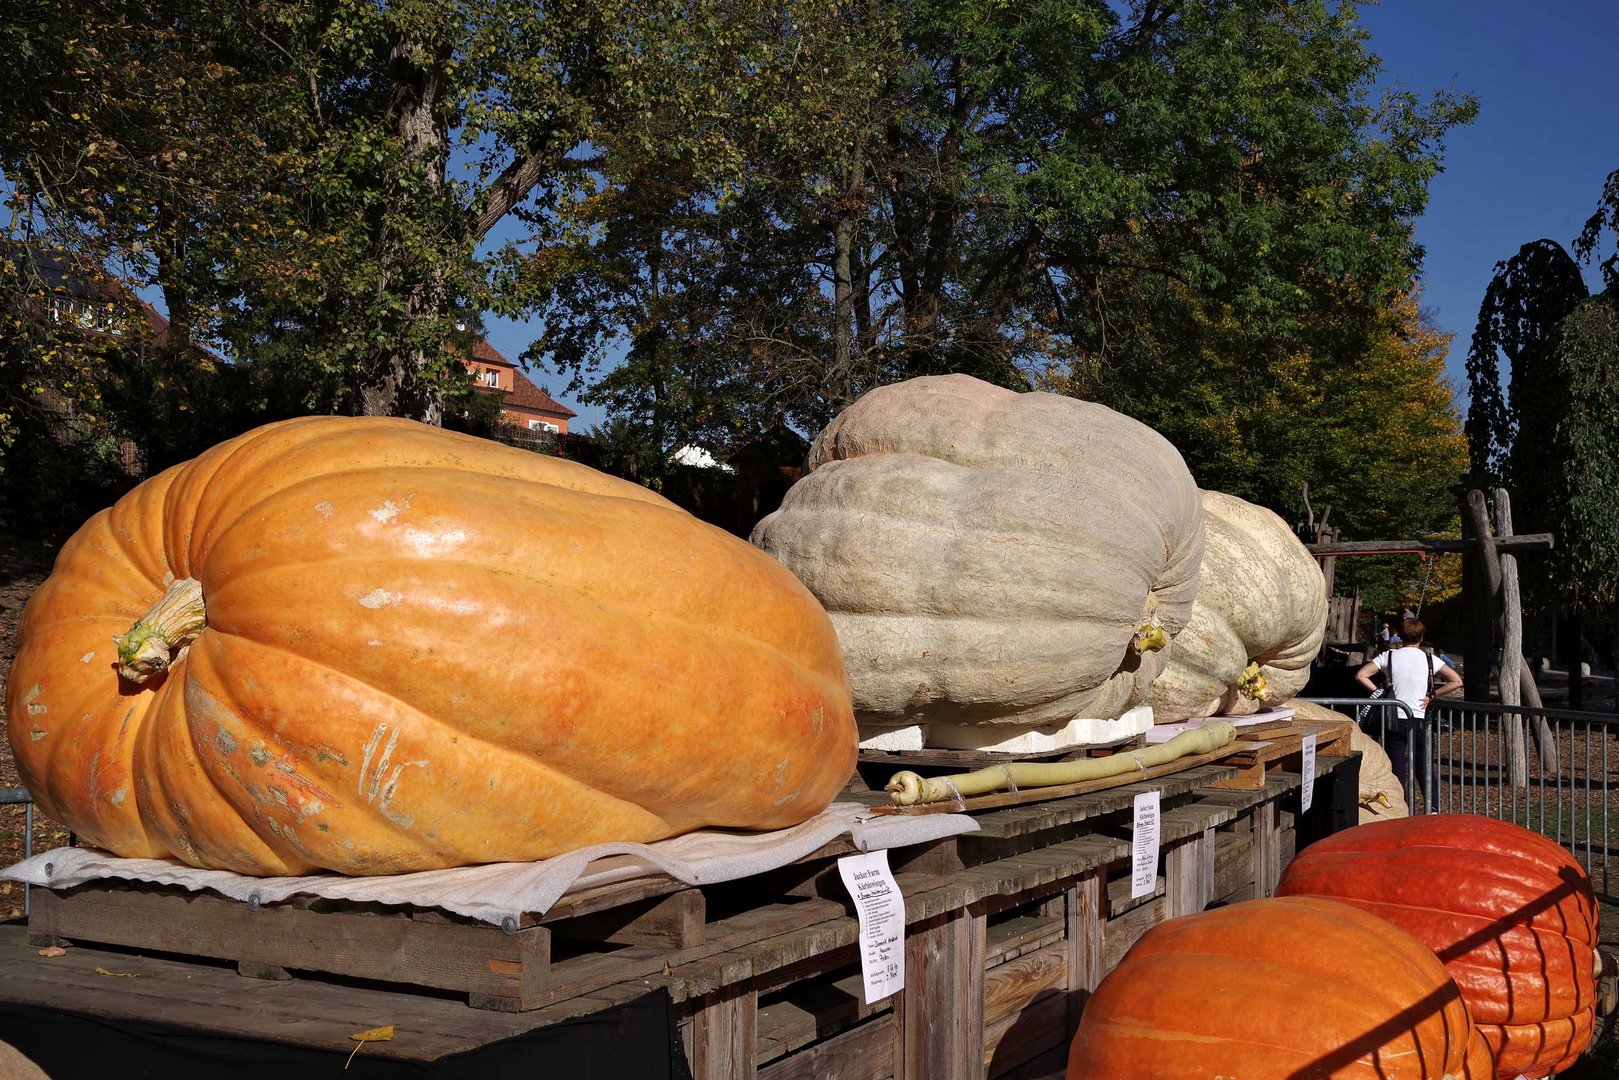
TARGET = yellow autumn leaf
(376,1034)
(118,974)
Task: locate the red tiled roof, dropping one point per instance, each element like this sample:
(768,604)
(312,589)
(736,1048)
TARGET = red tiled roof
(525,395)
(486,353)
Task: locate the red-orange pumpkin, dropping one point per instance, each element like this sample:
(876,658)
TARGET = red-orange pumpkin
(417,649)
(1266,989)
(1509,912)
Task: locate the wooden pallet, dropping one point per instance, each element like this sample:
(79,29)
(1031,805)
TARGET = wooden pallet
(1008,930)
(1269,749)
(588,940)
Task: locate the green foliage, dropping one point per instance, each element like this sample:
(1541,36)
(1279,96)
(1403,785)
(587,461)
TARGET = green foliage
(1157,206)
(1583,485)
(1529,294)
(1549,435)
(284,171)
(1198,214)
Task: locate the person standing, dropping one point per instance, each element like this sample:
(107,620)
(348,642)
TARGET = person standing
(1412,675)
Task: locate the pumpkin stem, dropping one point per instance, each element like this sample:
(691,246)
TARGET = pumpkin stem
(152,643)
(1150,635)
(1252,684)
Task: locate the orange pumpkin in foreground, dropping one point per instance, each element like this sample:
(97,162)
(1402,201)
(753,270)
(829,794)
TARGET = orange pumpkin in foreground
(415,649)
(1267,989)
(1509,912)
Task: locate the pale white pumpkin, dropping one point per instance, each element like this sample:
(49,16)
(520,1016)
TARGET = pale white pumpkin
(1260,615)
(989,557)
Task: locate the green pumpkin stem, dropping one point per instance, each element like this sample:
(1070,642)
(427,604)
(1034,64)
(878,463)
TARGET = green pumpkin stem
(1150,635)
(150,646)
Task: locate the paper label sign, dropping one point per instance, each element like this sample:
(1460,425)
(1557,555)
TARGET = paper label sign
(1307,792)
(1144,846)
(881,909)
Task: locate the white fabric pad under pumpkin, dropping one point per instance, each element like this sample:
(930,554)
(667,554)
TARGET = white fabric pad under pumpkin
(498,891)
(989,558)
(1261,602)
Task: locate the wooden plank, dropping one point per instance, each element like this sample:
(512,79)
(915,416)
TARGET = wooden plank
(1041,816)
(618,893)
(1123,932)
(725,1035)
(865,1053)
(1086,946)
(1522,542)
(1267,855)
(1119,899)
(450,956)
(1058,791)
(199,997)
(1013,938)
(1030,1034)
(1265,756)
(812,1012)
(939,1029)
(1188,870)
(584,974)
(672,921)
(1233,866)
(1012,986)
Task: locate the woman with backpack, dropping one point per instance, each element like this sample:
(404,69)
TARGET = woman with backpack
(1414,676)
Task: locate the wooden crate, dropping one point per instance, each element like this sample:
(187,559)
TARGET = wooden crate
(1271,748)
(1009,928)
(588,940)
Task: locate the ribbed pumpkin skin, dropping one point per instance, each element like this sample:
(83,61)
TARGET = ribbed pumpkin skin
(424,650)
(987,556)
(1260,599)
(1510,913)
(1267,989)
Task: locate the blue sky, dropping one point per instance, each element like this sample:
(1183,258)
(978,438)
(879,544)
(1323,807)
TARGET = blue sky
(1546,138)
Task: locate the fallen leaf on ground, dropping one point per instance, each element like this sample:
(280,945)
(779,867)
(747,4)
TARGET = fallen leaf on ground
(54,950)
(376,1034)
(118,974)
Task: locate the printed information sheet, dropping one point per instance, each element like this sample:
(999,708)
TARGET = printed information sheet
(1144,846)
(881,908)
(1307,792)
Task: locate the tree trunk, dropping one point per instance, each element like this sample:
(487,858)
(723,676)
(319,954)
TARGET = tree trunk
(851,206)
(1514,673)
(395,384)
(171,278)
(1479,594)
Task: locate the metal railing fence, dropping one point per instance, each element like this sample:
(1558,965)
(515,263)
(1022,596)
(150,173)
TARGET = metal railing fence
(1460,759)
(17,796)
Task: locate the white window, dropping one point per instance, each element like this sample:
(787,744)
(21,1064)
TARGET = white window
(542,425)
(491,377)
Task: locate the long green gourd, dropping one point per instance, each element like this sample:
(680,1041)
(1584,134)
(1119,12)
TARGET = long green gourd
(909,789)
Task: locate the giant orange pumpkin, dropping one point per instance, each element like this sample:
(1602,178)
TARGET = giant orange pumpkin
(1267,989)
(1509,912)
(384,647)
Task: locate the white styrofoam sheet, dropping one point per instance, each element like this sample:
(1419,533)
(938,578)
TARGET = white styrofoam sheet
(497,892)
